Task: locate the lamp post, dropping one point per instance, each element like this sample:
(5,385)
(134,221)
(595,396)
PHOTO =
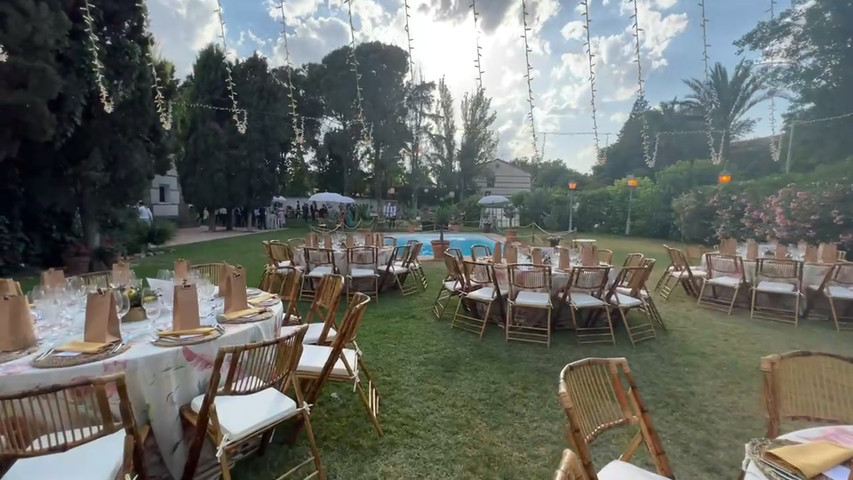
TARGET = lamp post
(724,177)
(572,186)
(632,183)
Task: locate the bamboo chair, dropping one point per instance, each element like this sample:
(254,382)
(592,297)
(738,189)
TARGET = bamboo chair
(389,242)
(207,270)
(482,290)
(296,243)
(646,295)
(680,273)
(342,362)
(633,260)
(631,299)
(69,431)
(837,287)
(415,266)
(401,272)
(665,275)
(289,292)
(529,289)
(694,253)
(363,267)
(724,271)
(570,467)
(319,262)
(456,253)
(807,386)
(605,256)
(453,286)
(321,315)
(598,394)
(395,261)
(249,403)
(281,255)
(782,277)
(585,291)
(268,282)
(97,279)
(480,251)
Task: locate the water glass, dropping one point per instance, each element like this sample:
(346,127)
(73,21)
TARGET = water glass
(122,303)
(151,303)
(165,274)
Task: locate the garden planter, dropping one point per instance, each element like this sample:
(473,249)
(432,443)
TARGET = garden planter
(77,265)
(438,248)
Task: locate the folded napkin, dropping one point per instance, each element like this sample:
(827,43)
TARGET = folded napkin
(243,313)
(188,332)
(79,346)
(812,459)
(261,298)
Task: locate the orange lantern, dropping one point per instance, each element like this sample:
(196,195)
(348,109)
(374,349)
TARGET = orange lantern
(632,181)
(724,177)
(573,185)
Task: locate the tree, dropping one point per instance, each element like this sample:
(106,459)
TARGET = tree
(552,173)
(479,141)
(626,155)
(728,100)
(809,49)
(443,139)
(418,104)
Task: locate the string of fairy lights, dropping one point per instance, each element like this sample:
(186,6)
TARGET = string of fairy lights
(600,158)
(365,140)
(479,57)
(529,76)
(164,108)
(298,127)
(775,143)
(94,52)
(240,116)
(3,55)
(716,154)
(641,90)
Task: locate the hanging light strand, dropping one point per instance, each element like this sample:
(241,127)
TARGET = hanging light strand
(239,115)
(599,153)
(641,90)
(3,55)
(298,128)
(713,101)
(411,47)
(775,140)
(365,139)
(164,108)
(666,134)
(97,66)
(529,76)
(479,58)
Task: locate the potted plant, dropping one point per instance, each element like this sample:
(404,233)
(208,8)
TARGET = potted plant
(511,234)
(455,219)
(443,216)
(76,258)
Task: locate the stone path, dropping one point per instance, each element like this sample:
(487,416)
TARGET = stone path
(201,234)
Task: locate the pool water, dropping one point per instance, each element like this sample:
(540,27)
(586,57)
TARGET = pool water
(462,241)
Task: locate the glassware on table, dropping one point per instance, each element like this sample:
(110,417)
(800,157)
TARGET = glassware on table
(151,303)
(122,303)
(165,274)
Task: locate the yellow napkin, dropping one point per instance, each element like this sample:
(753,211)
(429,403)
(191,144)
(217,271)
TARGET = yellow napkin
(79,346)
(243,313)
(814,458)
(191,331)
(261,298)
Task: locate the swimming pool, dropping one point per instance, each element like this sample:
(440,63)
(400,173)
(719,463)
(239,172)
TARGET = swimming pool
(462,241)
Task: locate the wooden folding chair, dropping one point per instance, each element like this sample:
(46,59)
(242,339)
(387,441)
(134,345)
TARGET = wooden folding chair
(479,252)
(362,264)
(605,256)
(680,273)
(207,270)
(70,431)
(319,262)
(570,467)
(268,282)
(289,284)
(322,313)
(529,289)
(296,243)
(665,275)
(249,402)
(453,285)
(586,291)
(724,271)
(837,287)
(599,394)
(694,253)
(400,271)
(482,290)
(633,260)
(807,386)
(631,299)
(645,294)
(281,255)
(415,266)
(455,253)
(98,279)
(777,277)
(343,362)
(389,242)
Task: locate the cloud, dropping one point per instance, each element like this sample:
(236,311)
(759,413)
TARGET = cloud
(619,117)
(182,27)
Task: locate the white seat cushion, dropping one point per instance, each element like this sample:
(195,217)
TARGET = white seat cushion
(695,272)
(483,294)
(312,335)
(284,264)
(100,459)
(397,269)
(453,286)
(314,358)
(585,300)
(618,470)
(625,301)
(242,415)
(627,292)
(775,287)
(362,273)
(533,299)
(724,281)
(321,271)
(837,291)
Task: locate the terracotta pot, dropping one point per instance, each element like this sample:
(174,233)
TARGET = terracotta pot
(77,265)
(411,228)
(438,248)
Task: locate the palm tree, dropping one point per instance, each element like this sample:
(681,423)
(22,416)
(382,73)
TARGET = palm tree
(729,99)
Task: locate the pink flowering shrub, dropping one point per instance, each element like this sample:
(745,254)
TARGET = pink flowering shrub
(817,212)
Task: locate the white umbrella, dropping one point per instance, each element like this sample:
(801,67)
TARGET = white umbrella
(493,200)
(347,200)
(278,199)
(326,197)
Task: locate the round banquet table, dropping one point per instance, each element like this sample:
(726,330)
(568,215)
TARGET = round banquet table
(813,273)
(159,380)
(341,262)
(840,434)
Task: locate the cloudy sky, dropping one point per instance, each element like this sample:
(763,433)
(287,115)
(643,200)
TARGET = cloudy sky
(444,45)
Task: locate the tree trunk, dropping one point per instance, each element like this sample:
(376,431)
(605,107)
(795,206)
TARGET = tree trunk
(89,222)
(229,219)
(211,220)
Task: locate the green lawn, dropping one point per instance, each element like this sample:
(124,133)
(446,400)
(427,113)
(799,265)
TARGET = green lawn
(454,406)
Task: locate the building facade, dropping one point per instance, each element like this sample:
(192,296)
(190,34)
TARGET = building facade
(502,178)
(165,195)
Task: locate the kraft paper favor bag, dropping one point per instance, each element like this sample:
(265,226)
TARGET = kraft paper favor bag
(589,255)
(185,307)
(350,241)
(16,324)
(751,250)
(827,253)
(368,240)
(536,255)
(224,272)
(497,253)
(10,287)
(236,299)
(52,278)
(182,270)
(327,242)
(810,254)
(511,254)
(102,323)
(781,251)
(728,246)
(565,259)
(121,273)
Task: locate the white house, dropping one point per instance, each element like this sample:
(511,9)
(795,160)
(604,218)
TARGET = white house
(502,178)
(165,195)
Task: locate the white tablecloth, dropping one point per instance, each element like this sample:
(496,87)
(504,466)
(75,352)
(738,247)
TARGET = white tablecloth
(383,254)
(842,435)
(159,380)
(813,273)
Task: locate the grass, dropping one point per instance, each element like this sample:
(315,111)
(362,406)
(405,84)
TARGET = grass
(457,407)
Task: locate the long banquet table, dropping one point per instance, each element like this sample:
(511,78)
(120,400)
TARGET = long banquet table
(159,380)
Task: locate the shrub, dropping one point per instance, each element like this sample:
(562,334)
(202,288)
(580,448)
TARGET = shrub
(160,232)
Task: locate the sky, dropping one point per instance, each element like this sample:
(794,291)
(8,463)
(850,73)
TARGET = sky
(444,38)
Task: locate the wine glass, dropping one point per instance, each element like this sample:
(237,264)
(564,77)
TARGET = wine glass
(165,274)
(122,303)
